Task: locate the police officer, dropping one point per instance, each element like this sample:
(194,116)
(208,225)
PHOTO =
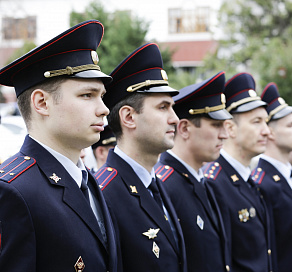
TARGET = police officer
(229,177)
(199,137)
(101,148)
(53,216)
(273,172)
(143,120)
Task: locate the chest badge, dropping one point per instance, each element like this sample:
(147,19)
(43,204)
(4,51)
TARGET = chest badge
(243,215)
(200,222)
(234,178)
(79,266)
(151,233)
(155,250)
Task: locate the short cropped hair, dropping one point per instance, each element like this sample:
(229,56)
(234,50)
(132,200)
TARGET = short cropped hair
(135,100)
(50,85)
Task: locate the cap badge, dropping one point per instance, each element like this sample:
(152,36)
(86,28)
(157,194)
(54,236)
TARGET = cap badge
(94,57)
(164,75)
(155,250)
(151,233)
(200,222)
(281,101)
(252,93)
(243,215)
(79,266)
(223,98)
(55,178)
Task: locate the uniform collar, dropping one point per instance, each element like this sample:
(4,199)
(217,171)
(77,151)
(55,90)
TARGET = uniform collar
(73,169)
(197,175)
(140,171)
(243,171)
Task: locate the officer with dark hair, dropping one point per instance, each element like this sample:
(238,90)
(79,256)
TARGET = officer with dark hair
(53,216)
(199,137)
(143,120)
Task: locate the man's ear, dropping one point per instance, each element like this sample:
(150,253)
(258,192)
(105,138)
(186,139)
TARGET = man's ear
(39,101)
(127,116)
(231,128)
(182,128)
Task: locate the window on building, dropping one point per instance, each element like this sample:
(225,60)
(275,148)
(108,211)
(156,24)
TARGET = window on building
(188,21)
(19,28)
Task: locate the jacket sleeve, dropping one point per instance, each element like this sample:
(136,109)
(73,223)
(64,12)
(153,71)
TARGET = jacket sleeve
(17,236)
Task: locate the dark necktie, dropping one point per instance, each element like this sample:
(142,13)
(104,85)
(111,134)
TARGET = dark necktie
(156,194)
(84,187)
(257,194)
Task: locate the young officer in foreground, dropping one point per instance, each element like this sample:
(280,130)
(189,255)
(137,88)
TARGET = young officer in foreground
(50,218)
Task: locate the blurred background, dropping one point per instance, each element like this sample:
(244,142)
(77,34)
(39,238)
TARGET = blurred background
(197,39)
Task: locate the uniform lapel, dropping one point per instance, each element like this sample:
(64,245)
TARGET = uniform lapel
(137,189)
(242,186)
(111,238)
(198,188)
(60,178)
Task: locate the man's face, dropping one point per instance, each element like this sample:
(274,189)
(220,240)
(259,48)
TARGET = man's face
(155,125)
(207,140)
(76,120)
(252,132)
(282,132)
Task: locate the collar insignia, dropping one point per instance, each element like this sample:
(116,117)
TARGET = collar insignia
(276,178)
(234,178)
(55,178)
(151,233)
(133,189)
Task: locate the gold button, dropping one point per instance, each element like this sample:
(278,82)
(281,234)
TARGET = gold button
(166,167)
(227,268)
(27,158)
(109,169)
(2,171)
(269,252)
(11,174)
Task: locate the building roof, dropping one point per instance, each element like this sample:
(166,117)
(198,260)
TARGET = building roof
(190,53)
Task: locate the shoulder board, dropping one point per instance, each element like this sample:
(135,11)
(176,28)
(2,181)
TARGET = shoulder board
(212,170)
(258,175)
(163,172)
(14,167)
(104,176)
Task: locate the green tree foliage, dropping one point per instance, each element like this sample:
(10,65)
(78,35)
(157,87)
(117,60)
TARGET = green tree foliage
(27,46)
(123,34)
(257,39)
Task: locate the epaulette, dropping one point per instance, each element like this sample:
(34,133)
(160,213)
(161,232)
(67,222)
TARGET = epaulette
(163,172)
(212,170)
(105,175)
(14,167)
(258,175)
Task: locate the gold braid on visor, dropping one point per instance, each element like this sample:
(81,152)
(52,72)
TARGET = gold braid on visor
(146,83)
(274,111)
(207,109)
(242,101)
(71,70)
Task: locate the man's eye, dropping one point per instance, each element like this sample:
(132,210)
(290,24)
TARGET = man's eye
(86,95)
